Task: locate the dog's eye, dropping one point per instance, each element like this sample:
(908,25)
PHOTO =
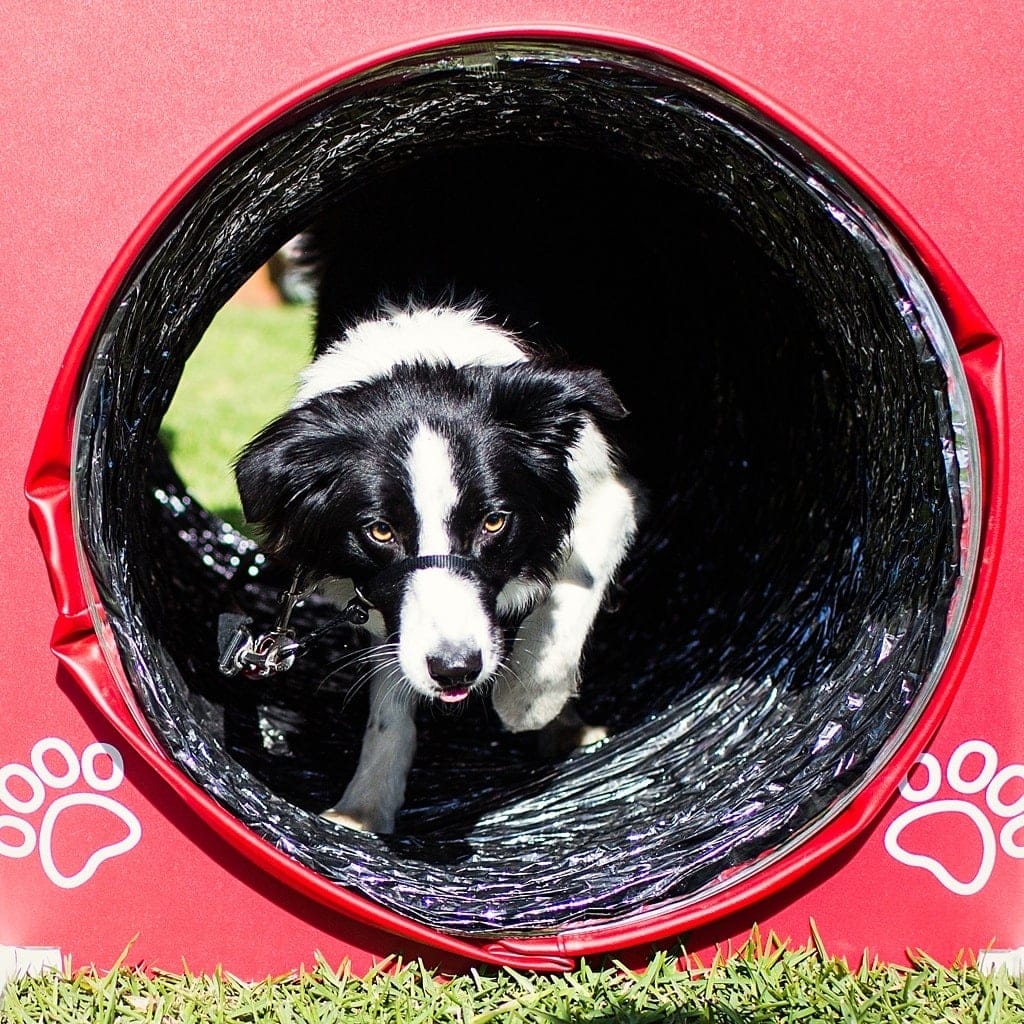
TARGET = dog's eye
(380,532)
(495,522)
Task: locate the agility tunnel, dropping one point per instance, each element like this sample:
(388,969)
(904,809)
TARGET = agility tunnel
(815,441)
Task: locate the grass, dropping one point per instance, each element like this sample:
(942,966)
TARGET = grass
(761,984)
(241,375)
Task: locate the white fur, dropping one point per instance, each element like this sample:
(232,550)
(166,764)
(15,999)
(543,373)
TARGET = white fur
(441,608)
(433,488)
(371,349)
(518,596)
(377,789)
(542,673)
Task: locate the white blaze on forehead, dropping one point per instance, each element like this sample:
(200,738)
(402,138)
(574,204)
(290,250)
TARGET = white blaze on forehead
(433,490)
(441,611)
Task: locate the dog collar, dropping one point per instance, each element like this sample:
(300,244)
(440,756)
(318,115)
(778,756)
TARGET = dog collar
(381,586)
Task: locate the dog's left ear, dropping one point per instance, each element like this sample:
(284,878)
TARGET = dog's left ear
(589,390)
(534,386)
(546,403)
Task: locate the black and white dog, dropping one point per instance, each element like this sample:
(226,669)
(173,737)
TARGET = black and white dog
(431,447)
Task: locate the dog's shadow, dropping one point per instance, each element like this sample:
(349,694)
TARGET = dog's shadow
(467,770)
(299,734)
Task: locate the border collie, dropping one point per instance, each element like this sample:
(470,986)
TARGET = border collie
(467,485)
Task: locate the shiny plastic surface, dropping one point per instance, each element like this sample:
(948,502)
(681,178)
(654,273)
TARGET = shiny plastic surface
(797,417)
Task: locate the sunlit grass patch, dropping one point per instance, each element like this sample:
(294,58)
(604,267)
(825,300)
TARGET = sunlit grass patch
(761,984)
(240,376)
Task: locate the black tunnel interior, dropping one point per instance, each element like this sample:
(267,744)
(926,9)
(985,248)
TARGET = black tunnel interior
(784,615)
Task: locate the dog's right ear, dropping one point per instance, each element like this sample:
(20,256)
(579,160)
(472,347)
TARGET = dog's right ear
(284,473)
(264,478)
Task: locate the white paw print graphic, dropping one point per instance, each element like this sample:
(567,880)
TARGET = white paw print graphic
(55,768)
(987,788)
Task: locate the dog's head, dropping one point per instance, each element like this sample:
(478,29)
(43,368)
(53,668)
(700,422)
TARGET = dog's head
(480,462)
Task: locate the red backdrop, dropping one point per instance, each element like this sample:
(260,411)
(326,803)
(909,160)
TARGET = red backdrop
(103,108)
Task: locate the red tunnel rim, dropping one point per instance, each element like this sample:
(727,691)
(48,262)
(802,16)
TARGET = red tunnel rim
(79,646)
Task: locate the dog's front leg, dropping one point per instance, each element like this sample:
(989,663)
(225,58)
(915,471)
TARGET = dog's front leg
(543,669)
(377,790)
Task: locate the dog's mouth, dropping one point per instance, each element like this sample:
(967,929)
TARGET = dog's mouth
(454,694)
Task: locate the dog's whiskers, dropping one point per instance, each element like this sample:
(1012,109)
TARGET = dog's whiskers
(359,681)
(517,654)
(395,689)
(359,674)
(363,664)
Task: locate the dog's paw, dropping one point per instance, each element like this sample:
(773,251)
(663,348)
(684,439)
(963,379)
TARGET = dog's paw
(533,695)
(588,735)
(568,732)
(340,818)
(360,821)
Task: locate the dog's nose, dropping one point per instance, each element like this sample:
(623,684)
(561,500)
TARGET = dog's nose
(455,668)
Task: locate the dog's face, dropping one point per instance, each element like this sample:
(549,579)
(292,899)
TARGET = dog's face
(430,460)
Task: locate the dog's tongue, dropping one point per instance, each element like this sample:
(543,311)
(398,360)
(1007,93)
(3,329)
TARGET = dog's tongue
(455,694)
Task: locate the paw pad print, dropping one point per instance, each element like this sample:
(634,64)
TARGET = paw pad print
(45,786)
(978,798)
